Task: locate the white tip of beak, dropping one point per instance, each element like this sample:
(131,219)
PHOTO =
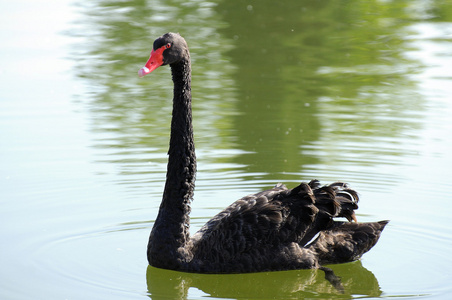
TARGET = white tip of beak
(143,71)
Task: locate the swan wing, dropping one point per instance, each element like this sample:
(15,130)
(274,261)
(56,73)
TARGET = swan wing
(268,230)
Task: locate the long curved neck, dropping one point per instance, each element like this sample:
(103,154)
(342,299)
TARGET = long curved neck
(170,233)
(180,176)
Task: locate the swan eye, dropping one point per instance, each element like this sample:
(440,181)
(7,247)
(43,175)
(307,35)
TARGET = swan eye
(168,46)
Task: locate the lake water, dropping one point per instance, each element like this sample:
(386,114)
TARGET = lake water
(359,91)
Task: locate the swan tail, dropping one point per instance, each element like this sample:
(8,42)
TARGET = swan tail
(346,241)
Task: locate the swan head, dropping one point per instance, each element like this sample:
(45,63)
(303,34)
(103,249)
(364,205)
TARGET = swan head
(168,49)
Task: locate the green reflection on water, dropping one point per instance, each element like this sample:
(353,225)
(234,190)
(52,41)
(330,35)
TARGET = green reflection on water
(288,85)
(315,71)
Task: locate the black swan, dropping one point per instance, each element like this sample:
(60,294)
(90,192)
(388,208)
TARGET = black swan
(277,229)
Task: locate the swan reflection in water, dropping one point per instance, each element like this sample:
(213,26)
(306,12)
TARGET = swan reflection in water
(356,280)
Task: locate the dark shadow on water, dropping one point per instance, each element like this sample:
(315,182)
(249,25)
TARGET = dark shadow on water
(356,280)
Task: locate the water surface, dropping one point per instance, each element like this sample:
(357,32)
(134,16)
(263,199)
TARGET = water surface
(283,92)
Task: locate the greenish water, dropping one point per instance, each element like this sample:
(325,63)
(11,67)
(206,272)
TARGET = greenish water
(283,91)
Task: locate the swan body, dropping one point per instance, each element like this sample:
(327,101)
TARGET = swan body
(277,229)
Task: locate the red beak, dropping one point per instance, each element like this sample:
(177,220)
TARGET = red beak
(155,61)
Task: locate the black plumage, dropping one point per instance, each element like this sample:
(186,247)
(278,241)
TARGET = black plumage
(277,229)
